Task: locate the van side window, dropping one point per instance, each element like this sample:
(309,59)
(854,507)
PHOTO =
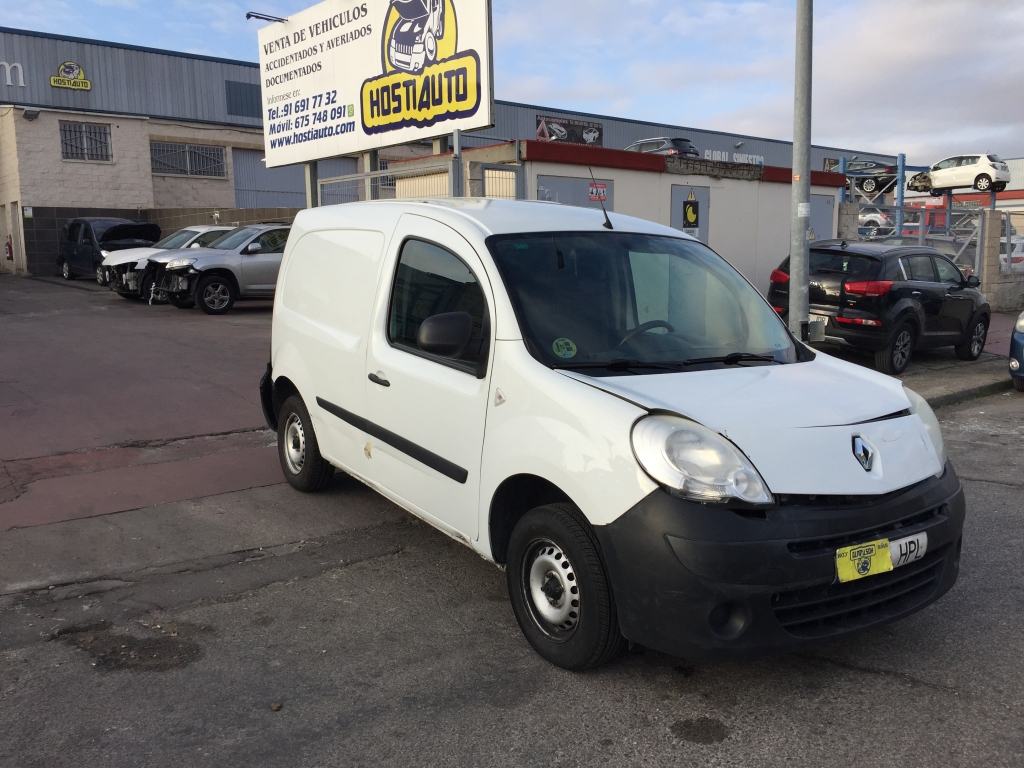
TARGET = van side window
(74,232)
(429,281)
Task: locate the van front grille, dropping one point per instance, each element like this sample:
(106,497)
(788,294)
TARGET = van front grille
(898,528)
(830,609)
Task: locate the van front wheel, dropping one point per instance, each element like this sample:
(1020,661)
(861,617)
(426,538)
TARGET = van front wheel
(559,589)
(303,466)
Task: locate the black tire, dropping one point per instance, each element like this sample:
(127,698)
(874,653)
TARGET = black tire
(215,294)
(895,358)
(180,302)
(578,630)
(303,466)
(1018,384)
(936,192)
(974,342)
(999,186)
(66,272)
(983,183)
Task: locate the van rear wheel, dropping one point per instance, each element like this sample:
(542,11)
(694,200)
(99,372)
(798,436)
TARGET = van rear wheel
(559,589)
(303,466)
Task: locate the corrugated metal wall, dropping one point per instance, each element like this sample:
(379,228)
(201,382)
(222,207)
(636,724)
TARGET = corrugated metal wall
(519,121)
(124,80)
(257,186)
(1016,166)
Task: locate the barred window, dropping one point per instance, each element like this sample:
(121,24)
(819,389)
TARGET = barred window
(386,182)
(187,159)
(85,141)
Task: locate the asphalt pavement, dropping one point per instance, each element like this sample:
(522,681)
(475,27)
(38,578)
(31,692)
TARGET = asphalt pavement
(220,618)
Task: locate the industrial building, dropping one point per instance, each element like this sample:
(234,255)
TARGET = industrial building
(90,128)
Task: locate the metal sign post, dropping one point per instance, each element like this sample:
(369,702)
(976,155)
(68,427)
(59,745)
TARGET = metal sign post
(799,315)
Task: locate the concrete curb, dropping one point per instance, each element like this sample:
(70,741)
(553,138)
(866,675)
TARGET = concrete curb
(971,393)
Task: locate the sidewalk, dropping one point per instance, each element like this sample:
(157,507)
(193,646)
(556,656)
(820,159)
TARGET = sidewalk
(943,379)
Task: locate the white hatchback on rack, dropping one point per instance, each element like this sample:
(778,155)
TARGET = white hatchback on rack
(983,171)
(611,412)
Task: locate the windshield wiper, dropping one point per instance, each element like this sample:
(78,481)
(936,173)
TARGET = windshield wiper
(625,365)
(619,365)
(732,359)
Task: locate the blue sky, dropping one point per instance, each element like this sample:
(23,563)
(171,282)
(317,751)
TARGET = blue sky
(927,77)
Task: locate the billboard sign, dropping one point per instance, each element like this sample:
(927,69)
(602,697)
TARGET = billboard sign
(346,77)
(569,131)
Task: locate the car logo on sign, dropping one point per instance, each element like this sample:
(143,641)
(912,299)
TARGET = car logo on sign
(864,453)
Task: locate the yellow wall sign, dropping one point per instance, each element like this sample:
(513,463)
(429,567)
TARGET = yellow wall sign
(70,75)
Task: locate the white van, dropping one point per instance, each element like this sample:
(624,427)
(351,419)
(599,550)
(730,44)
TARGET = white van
(616,417)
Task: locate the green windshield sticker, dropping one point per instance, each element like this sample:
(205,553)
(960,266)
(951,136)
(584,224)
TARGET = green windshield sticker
(564,348)
(521,246)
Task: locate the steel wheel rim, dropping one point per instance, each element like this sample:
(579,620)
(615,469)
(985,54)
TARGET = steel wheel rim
(216,295)
(65,270)
(294,444)
(901,349)
(99,275)
(550,590)
(978,339)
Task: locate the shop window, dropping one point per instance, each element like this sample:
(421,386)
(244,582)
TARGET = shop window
(187,159)
(85,141)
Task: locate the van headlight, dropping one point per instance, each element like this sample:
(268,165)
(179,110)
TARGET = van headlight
(1019,325)
(920,407)
(693,462)
(179,263)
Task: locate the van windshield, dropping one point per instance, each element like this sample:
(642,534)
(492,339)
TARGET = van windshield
(584,299)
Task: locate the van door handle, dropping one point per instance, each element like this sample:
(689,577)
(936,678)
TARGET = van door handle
(378,380)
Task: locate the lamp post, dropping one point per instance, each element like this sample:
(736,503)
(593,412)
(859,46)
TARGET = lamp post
(801,205)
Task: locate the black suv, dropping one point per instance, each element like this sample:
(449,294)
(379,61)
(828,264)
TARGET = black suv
(891,300)
(85,242)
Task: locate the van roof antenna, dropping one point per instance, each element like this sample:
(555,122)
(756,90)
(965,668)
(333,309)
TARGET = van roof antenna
(607,221)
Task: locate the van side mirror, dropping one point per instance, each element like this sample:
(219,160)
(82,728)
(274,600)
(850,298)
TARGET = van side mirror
(446,334)
(253,248)
(972,281)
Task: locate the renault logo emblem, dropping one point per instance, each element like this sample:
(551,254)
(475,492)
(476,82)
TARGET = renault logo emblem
(864,453)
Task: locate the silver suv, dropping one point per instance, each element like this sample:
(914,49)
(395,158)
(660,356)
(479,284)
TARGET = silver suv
(244,264)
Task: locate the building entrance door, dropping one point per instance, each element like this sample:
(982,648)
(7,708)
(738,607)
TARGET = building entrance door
(690,210)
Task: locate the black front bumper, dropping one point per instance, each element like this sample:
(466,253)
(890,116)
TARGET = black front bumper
(707,583)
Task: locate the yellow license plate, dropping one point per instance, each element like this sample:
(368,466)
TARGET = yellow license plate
(862,560)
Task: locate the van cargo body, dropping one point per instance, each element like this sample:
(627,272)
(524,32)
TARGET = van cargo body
(617,418)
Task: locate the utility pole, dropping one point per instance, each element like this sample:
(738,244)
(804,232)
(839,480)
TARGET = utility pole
(801,205)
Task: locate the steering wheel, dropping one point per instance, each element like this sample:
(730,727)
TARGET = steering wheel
(645,327)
